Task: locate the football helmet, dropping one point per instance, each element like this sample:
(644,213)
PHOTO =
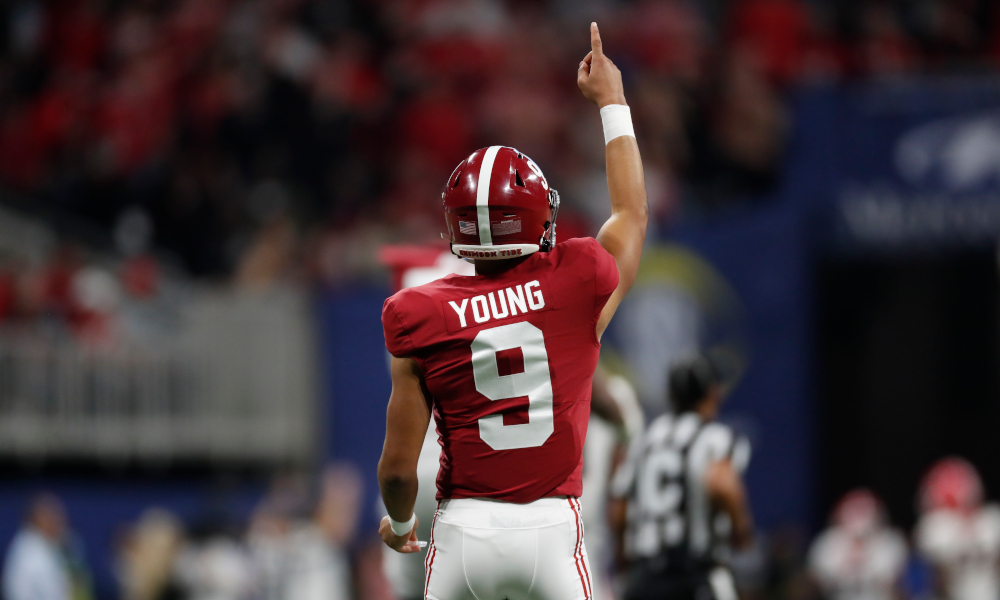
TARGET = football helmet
(952,484)
(859,513)
(498,205)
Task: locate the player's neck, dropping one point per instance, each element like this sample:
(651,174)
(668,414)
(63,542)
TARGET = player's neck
(495,267)
(707,411)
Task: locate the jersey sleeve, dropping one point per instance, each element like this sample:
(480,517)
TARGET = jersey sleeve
(740,453)
(605,275)
(397,338)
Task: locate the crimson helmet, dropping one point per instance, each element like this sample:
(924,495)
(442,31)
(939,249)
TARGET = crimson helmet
(952,483)
(497,205)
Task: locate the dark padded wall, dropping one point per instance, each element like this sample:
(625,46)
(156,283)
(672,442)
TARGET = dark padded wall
(906,373)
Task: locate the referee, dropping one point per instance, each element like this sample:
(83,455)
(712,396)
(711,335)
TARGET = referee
(678,503)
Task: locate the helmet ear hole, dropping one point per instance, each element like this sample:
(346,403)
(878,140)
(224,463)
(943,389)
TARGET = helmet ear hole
(517,179)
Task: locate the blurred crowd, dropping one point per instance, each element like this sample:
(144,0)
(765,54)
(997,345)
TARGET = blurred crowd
(955,545)
(96,302)
(296,546)
(264,141)
(301,543)
(64,288)
(274,139)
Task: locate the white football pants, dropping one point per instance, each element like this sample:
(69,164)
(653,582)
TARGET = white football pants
(490,550)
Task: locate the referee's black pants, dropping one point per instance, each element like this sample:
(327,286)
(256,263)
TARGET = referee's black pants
(646,582)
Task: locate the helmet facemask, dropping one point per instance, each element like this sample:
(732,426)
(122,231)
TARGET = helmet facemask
(548,241)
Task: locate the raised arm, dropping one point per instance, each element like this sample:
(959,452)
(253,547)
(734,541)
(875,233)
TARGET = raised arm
(405,426)
(624,233)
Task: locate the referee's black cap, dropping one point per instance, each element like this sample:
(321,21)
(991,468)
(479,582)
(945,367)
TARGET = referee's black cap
(690,380)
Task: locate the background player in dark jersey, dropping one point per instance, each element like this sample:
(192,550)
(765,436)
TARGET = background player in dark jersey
(678,502)
(505,360)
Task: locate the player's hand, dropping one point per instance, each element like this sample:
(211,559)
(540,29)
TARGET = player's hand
(599,79)
(406,544)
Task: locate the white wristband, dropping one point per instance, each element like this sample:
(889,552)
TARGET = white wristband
(402,528)
(617,120)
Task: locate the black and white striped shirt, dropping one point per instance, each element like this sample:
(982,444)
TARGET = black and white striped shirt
(669,513)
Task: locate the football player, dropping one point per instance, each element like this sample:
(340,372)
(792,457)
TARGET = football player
(504,361)
(616,419)
(958,532)
(860,556)
(679,503)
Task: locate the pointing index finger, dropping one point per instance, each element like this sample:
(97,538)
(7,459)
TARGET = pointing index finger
(595,39)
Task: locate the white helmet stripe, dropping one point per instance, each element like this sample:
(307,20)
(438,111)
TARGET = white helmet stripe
(483,196)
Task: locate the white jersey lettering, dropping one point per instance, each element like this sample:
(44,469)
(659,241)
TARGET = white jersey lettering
(502,303)
(535,300)
(481,315)
(460,311)
(516,302)
(493,306)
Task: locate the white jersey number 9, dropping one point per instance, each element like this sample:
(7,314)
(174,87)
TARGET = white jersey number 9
(534,382)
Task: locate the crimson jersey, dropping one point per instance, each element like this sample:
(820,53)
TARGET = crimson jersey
(508,360)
